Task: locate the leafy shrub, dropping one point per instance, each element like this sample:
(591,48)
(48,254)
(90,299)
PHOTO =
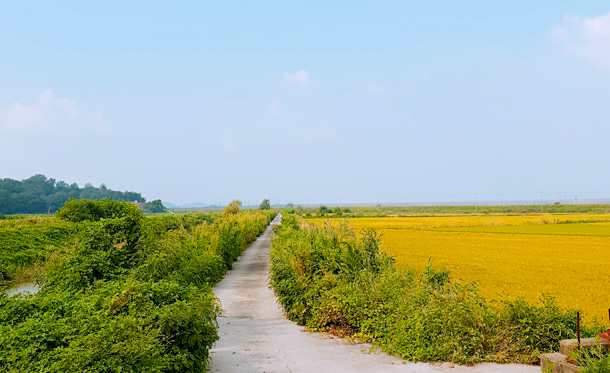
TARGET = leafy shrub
(233,207)
(22,245)
(265,205)
(595,359)
(183,257)
(330,278)
(117,325)
(79,210)
(323,210)
(130,294)
(155,206)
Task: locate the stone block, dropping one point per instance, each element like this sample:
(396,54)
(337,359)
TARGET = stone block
(568,345)
(556,363)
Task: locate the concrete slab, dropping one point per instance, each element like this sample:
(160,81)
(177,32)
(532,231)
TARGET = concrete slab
(566,346)
(556,363)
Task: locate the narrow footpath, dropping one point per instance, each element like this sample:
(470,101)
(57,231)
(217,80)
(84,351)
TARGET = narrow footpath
(255,336)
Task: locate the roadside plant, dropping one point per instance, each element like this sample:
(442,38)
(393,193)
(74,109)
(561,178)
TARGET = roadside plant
(233,207)
(335,279)
(126,293)
(265,205)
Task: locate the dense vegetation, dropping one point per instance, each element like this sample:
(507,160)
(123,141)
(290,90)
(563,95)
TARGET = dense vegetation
(507,255)
(38,195)
(357,211)
(24,242)
(129,293)
(155,206)
(79,210)
(265,205)
(329,278)
(595,359)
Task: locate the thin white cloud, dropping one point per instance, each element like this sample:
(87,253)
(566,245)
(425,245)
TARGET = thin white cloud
(586,38)
(97,116)
(376,88)
(228,143)
(46,111)
(301,77)
(274,107)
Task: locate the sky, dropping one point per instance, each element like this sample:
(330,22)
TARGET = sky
(309,102)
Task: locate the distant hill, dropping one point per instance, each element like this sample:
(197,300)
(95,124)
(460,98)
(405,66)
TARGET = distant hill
(38,195)
(169,205)
(193,205)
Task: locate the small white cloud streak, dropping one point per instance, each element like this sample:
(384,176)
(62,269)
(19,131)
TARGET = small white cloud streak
(301,77)
(586,38)
(47,110)
(97,116)
(274,107)
(228,143)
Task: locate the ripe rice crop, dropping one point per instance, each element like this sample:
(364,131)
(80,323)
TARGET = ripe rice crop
(576,229)
(444,221)
(509,256)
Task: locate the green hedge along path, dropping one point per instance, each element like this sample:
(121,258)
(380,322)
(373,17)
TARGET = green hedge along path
(255,336)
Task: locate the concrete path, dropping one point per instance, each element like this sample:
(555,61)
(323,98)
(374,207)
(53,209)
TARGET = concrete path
(256,337)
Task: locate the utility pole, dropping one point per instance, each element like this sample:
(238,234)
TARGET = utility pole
(422,203)
(541,208)
(476,207)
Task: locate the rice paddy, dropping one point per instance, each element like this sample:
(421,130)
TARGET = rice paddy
(509,256)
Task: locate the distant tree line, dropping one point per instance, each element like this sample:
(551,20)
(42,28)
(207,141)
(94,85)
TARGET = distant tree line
(38,194)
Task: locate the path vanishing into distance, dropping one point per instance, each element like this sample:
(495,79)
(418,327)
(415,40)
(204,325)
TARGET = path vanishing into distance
(255,336)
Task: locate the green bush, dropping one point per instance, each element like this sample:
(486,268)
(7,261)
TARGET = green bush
(25,244)
(183,257)
(233,207)
(330,278)
(595,359)
(118,325)
(155,206)
(265,205)
(129,294)
(79,210)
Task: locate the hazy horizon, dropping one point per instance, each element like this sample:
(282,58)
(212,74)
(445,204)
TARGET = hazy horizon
(344,102)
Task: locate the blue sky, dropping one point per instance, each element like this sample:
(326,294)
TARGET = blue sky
(210,101)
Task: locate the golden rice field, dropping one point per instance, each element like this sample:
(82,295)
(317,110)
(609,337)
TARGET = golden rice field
(509,256)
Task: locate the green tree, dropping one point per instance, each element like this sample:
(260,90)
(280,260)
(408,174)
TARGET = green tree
(323,210)
(233,207)
(38,194)
(79,210)
(265,205)
(154,206)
